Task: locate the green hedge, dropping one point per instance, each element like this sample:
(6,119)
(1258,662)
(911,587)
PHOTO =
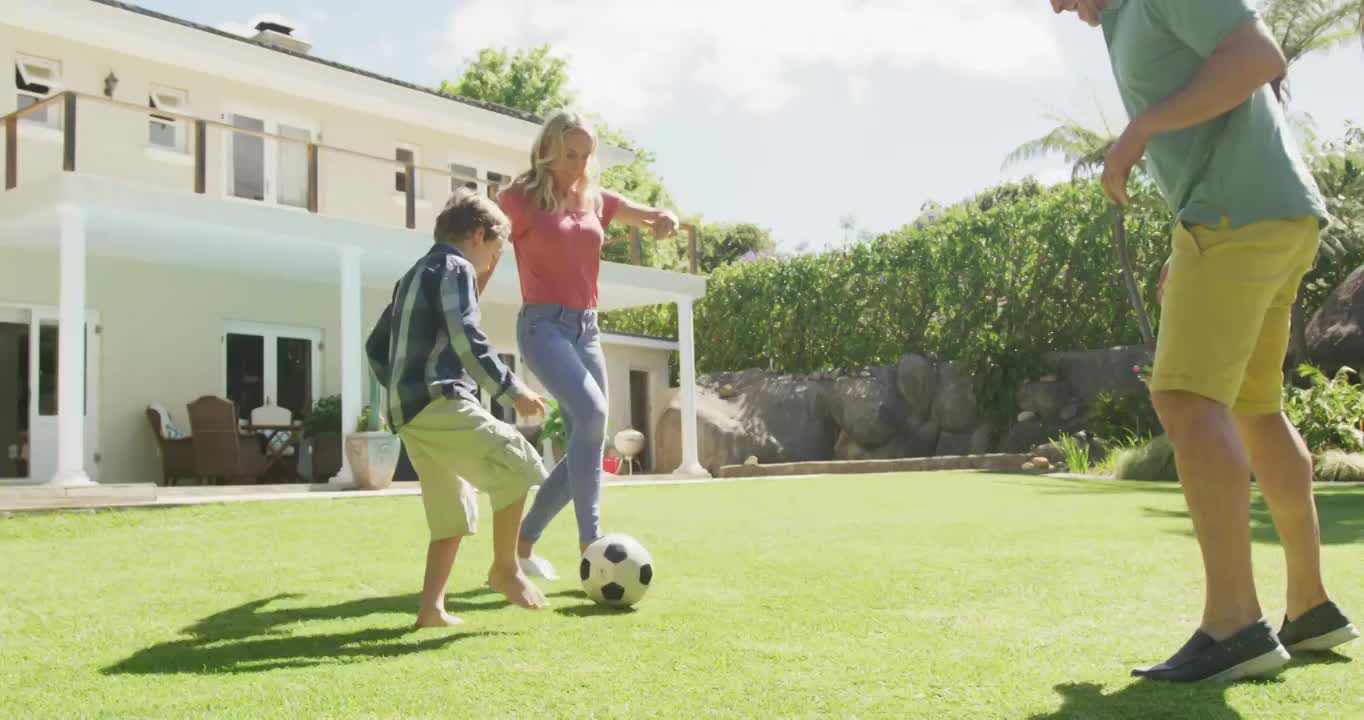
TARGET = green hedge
(995,282)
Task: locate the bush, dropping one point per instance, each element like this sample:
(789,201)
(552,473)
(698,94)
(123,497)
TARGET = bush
(1114,415)
(1154,461)
(325,417)
(1328,412)
(1338,466)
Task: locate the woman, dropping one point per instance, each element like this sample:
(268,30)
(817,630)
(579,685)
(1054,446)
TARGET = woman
(559,218)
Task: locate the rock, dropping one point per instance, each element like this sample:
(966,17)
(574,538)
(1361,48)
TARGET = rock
(983,440)
(1088,373)
(1049,379)
(1044,398)
(953,444)
(921,440)
(916,377)
(727,391)
(1040,461)
(868,408)
(1070,412)
(1023,437)
(751,460)
(776,419)
(1335,335)
(1052,453)
(954,402)
(977,442)
(1029,466)
(1026,416)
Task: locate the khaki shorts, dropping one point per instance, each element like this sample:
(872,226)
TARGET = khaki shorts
(1224,322)
(456,447)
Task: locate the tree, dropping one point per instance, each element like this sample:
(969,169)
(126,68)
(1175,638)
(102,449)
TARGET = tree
(1085,149)
(719,244)
(1303,27)
(532,81)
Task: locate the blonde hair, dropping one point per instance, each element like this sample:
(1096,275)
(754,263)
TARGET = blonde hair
(538,181)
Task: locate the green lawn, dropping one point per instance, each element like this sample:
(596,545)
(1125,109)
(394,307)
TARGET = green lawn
(933,596)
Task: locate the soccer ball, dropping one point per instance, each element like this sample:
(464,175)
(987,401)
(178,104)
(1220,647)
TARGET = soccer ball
(616,571)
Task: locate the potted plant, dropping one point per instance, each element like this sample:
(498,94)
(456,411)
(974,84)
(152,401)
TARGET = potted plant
(553,432)
(322,428)
(372,451)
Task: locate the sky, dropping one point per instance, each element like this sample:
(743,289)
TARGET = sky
(791,114)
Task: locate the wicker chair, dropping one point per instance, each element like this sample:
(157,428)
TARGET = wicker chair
(221,452)
(177,452)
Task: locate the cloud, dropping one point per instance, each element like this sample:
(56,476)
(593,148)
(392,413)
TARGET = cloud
(631,58)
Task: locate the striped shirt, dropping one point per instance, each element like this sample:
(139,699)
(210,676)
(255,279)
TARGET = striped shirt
(428,343)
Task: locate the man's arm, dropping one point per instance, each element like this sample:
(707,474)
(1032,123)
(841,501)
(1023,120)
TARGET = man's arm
(1245,61)
(1237,65)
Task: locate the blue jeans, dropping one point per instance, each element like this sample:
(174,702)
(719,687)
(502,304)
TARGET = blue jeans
(562,347)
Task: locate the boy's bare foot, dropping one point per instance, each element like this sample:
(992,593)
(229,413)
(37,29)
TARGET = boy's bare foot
(517,589)
(437,619)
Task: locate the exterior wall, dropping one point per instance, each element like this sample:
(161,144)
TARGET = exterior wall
(113,141)
(620,360)
(162,341)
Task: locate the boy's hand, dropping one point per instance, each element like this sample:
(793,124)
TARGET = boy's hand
(530,405)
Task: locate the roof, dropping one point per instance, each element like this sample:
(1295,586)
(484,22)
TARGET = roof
(481,104)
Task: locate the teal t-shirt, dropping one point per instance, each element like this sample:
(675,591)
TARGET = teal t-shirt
(1244,165)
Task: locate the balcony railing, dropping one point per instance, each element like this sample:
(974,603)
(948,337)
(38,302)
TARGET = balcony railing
(70,101)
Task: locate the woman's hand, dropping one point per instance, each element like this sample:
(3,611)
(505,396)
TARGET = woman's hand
(664,224)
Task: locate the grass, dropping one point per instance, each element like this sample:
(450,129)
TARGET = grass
(1076,454)
(897,596)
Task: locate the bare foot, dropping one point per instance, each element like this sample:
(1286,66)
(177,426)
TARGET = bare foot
(517,588)
(437,619)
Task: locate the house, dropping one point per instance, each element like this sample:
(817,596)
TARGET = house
(187,212)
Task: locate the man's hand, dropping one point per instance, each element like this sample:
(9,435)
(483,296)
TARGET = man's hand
(1124,155)
(530,405)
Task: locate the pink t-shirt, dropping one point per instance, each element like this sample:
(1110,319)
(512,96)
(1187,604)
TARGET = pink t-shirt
(558,253)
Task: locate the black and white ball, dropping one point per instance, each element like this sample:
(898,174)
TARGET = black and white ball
(616,571)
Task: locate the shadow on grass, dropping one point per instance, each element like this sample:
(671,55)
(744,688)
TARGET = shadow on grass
(252,638)
(1087,701)
(1148,699)
(587,608)
(1341,514)
(1087,486)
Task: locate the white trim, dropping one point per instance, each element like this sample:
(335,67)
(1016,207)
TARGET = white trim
(166,155)
(608,338)
(42,132)
(26,64)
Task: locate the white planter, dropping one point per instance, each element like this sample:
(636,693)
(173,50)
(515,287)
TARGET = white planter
(373,458)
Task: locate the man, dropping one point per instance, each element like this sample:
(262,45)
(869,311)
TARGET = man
(1196,76)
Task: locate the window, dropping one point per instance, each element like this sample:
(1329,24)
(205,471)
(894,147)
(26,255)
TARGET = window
(36,79)
(408,155)
(165,129)
(463,176)
(496,183)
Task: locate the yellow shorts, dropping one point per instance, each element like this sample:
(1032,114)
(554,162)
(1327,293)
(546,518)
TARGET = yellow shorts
(456,447)
(1224,322)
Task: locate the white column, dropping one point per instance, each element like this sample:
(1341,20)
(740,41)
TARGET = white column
(352,354)
(71,351)
(691,462)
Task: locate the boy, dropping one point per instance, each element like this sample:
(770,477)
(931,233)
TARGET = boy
(429,352)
